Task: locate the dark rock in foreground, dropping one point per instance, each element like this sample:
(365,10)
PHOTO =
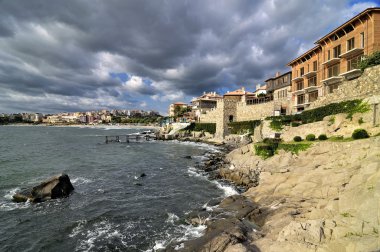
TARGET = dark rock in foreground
(56,187)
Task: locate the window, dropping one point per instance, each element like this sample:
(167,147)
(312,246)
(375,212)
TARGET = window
(328,55)
(333,70)
(315,66)
(302,71)
(350,44)
(231,118)
(313,96)
(362,40)
(300,99)
(336,51)
(312,81)
(285,78)
(352,63)
(300,85)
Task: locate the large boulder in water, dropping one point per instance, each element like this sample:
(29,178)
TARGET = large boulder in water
(56,187)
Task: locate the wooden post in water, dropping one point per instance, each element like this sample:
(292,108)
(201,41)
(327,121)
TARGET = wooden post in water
(106,139)
(117,139)
(127,138)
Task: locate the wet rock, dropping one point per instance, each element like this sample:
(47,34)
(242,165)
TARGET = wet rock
(142,175)
(56,187)
(187,157)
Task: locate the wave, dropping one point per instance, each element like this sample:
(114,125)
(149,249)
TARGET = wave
(10,193)
(102,231)
(187,232)
(80,181)
(228,190)
(172,218)
(209,147)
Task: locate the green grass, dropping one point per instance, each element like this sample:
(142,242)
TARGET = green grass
(295,147)
(340,139)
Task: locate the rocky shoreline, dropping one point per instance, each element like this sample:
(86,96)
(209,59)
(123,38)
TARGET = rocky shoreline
(229,221)
(322,199)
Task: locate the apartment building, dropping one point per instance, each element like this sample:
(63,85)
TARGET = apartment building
(335,58)
(279,87)
(174,108)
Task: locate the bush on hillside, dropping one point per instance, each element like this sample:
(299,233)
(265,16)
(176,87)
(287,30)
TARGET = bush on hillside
(322,137)
(295,124)
(297,139)
(371,60)
(208,127)
(243,127)
(317,114)
(310,137)
(360,134)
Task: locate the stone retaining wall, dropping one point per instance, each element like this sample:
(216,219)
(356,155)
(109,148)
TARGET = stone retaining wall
(366,85)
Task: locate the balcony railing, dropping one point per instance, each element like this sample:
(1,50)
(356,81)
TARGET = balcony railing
(310,74)
(351,52)
(331,62)
(259,100)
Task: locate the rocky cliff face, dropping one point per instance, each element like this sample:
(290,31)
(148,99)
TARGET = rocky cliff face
(324,199)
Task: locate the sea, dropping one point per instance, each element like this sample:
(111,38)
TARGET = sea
(112,207)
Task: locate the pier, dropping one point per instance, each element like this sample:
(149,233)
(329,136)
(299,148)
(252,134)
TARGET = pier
(128,138)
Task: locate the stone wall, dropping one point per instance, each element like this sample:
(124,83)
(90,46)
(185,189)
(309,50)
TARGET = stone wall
(254,112)
(366,85)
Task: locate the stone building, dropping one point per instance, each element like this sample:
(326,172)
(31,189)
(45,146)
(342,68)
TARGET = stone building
(279,87)
(204,103)
(236,106)
(335,58)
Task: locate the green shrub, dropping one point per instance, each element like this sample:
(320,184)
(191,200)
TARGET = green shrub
(322,137)
(265,150)
(297,139)
(295,124)
(331,120)
(294,148)
(310,137)
(208,127)
(360,121)
(371,60)
(276,125)
(360,134)
(243,127)
(317,114)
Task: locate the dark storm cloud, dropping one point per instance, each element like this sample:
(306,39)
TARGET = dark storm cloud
(60,54)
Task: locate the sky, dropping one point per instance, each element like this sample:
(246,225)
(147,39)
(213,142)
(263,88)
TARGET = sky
(84,55)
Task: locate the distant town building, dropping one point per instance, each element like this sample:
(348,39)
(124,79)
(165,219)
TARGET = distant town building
(175,107)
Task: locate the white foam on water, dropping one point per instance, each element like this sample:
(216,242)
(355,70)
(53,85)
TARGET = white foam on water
(103,230)
(10,193)
(227,189)
(80,181)
(78,229)
(172,218)
(191,232)
(205,146)
(180,246)
(209,208)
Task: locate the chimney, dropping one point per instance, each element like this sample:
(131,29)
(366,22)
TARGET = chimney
(243,89)
(277,74)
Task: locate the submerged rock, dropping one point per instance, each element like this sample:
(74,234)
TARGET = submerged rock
(56,187)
